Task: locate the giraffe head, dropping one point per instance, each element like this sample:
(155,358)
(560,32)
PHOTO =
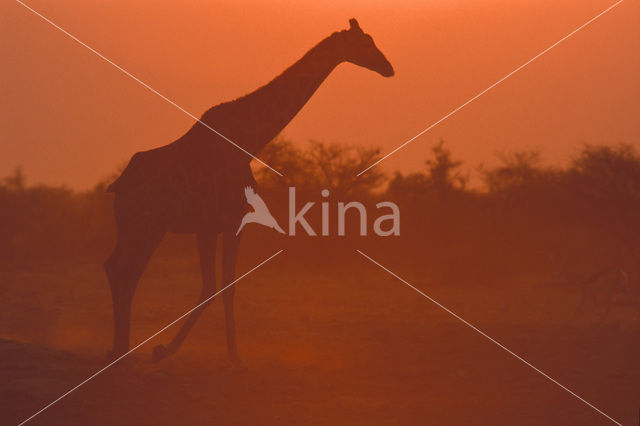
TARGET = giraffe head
(362,51)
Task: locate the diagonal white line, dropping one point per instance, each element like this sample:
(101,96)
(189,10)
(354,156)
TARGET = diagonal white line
(482,333)
(149,338)
(147,86)
(492,86)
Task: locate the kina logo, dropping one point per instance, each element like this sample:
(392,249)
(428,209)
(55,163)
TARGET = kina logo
(260,213)
(385,225)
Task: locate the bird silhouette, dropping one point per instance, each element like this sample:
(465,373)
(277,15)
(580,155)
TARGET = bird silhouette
(260,213)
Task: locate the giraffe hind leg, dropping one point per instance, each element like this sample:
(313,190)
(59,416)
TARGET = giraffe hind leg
(124,269)
(207,251)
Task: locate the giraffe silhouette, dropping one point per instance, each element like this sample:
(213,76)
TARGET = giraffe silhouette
(195,184)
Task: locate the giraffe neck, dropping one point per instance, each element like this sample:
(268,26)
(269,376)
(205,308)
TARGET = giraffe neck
(271,107)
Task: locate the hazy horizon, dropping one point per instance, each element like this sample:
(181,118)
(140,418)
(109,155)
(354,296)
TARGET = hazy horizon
(74,119)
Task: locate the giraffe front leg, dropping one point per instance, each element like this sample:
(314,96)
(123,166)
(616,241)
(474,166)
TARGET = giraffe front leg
(229,254)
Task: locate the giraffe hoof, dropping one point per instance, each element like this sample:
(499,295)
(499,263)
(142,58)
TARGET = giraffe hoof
(159,353)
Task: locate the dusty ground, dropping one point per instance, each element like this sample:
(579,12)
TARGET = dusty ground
(327,340)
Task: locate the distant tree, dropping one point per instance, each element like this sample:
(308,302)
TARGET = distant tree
(442,177)
(607,181)
(321,166)
(608,172)
(283,156)
(17,180)
(336,167)
(518,169)
(443,173)
(410,187)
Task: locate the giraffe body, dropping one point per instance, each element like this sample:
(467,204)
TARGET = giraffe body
(195,184)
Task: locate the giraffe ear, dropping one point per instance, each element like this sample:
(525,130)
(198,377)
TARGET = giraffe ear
(353,25)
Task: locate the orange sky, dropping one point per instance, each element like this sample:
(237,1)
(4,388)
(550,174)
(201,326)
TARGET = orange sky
(70,118)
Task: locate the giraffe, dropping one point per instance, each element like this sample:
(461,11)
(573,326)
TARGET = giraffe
(194,185)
